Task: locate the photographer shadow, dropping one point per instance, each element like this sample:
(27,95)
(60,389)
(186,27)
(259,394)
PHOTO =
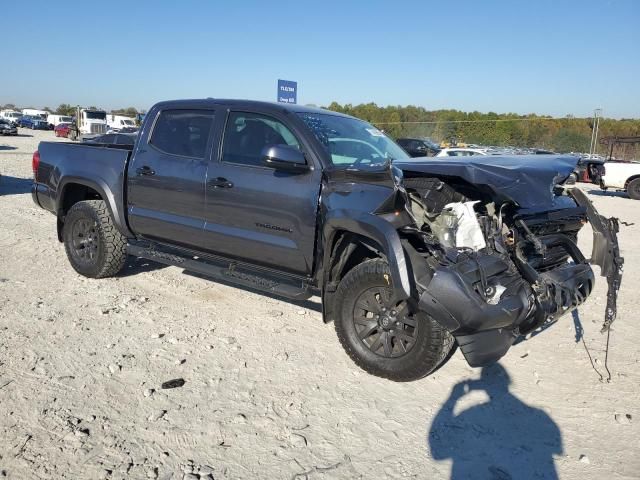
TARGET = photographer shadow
(501,439)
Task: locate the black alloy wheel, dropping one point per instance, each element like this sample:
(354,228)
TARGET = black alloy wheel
(385,330)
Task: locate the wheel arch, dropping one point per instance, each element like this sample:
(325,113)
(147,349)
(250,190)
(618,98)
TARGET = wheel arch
(349,238)
(630,179)
(73,190)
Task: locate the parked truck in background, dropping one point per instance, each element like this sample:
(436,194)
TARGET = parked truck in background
(32,112)
(53,120)
(88,122)
(410,257)
(623,176)
(118,122)
(11,115)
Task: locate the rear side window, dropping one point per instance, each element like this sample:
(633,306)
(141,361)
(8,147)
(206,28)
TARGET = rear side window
(182,132)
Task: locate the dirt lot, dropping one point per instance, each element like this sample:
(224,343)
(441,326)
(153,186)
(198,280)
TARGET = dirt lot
(269,393)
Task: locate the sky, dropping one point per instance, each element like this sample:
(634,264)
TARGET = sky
(553,57)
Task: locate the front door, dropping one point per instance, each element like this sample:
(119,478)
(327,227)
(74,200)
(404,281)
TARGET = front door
(166,182)
(254,212)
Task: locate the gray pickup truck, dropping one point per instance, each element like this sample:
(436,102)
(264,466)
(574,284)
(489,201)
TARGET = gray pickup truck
(411,257)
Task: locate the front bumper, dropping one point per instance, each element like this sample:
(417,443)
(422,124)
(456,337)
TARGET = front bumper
(487,304)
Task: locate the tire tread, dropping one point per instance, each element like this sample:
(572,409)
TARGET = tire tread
(115,244)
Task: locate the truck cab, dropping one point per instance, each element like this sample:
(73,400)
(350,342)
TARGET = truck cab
(88,123)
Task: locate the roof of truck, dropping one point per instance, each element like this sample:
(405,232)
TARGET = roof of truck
(204,102)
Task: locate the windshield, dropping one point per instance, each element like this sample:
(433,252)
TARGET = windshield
(66,119)
(93,115)
(128,122)
(352,142)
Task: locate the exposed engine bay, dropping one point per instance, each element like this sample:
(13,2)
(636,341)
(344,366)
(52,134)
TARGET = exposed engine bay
(492,273)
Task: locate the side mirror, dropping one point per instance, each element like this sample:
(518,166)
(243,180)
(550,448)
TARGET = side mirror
(285,158)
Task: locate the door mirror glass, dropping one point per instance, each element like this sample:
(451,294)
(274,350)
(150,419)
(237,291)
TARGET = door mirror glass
(284,157)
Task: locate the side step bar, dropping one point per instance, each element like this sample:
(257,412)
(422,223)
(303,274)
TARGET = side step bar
(226,271)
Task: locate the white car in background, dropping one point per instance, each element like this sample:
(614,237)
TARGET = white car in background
(460,152)
(623,176)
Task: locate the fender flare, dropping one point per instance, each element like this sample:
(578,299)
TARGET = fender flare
(378,230)
(104,191)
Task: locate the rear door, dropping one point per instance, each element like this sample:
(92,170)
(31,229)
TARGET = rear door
(254,212)
(166,179)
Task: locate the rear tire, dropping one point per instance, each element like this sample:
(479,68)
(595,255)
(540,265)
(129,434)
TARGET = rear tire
(402,348)
(95,248)
(633,189)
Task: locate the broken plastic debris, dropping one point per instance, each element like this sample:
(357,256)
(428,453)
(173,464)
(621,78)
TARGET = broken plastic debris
(175,383)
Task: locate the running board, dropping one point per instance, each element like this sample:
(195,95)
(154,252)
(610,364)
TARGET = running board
(227,271)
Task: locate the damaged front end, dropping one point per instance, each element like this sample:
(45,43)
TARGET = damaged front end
(492,264)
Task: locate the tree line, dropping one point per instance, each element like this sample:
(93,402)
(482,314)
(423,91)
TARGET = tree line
(566,134)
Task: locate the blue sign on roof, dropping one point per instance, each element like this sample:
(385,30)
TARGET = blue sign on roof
(287,91)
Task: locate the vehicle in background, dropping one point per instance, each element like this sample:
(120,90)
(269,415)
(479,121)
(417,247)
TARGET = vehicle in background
(140,118)
(11,115)
(62,129)
(418,147)
(54,120)
(623,176)
(118,122)
(33,122)
(124,130)
(114,139)
(588,169)
(88,122)
(7,127)
(32,112)
(410,256)
(460,152)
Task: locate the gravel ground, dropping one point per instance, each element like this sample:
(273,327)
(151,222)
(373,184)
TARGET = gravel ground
(269,393)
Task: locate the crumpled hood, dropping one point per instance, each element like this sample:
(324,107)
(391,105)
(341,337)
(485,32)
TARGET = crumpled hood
(527,180)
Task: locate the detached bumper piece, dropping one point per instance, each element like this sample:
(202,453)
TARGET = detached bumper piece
(481,301)
(486,303)
(605,253)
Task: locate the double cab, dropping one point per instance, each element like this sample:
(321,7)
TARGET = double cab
(412,257)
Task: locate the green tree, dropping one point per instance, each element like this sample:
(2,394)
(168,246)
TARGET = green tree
(65,109)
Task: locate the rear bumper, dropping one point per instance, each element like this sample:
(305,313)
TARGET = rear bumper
(42,197)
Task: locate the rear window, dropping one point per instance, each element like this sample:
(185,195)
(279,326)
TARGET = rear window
(182,132)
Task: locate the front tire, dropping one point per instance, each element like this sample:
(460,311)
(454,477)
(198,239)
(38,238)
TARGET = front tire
(381,338)
(633,189)
(95,248)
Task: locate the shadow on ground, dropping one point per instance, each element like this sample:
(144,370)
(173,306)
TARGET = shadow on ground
(500,439)
(608,193)
(7,147)
(14,185)
(308,304)
(135,266)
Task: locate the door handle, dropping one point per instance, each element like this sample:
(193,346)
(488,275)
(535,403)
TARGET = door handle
(220,182)
(146,170)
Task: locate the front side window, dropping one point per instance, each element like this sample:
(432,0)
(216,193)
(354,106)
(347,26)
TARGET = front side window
(182,132)
(352,142)
(247,134)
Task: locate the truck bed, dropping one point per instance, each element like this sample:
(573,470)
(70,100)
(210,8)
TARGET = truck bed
(100,167)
